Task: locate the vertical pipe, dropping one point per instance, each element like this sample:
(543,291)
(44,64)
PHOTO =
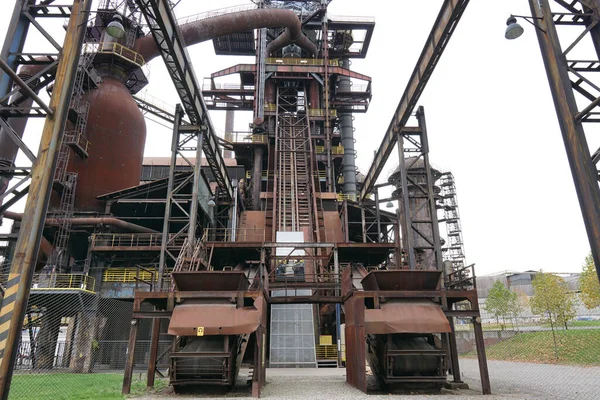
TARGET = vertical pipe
(377,215)
(585,174)
(338,331)
(229,121)
(14,303)
(234,217)
(257,176)
(347,134)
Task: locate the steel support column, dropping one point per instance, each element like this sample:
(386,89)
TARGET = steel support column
(153,352)
(585,173)
(130,357)
(14,303)
(481,358)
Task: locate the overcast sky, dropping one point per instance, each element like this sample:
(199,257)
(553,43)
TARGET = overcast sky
(490,119)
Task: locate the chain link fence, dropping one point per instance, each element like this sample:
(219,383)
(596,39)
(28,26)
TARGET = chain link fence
(74,342)
(534,359)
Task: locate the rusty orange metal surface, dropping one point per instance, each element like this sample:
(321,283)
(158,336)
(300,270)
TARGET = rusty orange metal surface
(406,317)
(210,280)
(402,280)
(215,319)
(116,130)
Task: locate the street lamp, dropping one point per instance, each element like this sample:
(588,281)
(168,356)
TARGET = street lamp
(211,203)
(389,205)
(115,27)
(514,29)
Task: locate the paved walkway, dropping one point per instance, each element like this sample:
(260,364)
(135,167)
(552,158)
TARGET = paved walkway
(510,381)
(536,381)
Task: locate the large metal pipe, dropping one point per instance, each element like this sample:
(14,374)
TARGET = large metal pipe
(347,136)
(222,25)
(118,223)
(229,122)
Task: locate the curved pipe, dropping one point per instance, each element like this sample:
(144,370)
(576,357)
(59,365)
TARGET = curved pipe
(118,223)
(222,25)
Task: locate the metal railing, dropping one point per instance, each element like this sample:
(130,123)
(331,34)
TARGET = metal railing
(342,197)
(64,282)
(129,240)
(350,18)
(301,61)
(77,139)
(339,150)
(241,235)
(319,112)
(248,137)
(461,279)
(264,174)
(225,86)
(213,13)
(129,275)
(326,352)
(116,49)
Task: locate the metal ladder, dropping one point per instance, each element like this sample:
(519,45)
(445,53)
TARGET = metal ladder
(67,181)
(293,209)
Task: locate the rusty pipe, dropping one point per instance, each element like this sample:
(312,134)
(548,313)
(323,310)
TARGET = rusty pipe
(89,221)
(222,25)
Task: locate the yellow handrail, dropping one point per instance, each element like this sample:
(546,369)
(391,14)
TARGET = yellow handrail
(116,49)
(129,275)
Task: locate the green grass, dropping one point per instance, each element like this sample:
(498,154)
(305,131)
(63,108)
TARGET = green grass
(574,347)
(76,386)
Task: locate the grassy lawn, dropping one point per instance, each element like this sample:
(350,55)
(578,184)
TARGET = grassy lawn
(574,347)
(76,386)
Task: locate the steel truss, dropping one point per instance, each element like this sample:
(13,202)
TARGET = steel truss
(566,77)
(19,280)
(164,29)
(442,30)
(418,211)
(18,97)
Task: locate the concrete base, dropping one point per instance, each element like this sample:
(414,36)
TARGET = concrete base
(456,385)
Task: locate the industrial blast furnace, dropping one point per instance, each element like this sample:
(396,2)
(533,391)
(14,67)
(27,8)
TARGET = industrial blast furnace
(266,247)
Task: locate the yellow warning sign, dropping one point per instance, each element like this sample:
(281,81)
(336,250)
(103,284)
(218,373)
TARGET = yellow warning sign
(200,331)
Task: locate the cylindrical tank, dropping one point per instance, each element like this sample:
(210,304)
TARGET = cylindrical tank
(116,130)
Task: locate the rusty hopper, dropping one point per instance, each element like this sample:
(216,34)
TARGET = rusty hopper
(212,333)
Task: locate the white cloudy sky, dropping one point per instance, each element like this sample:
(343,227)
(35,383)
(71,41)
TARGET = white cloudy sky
(490,118)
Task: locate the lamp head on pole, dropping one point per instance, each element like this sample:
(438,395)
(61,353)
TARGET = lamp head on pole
(115,27)
(389,205)
(513,28)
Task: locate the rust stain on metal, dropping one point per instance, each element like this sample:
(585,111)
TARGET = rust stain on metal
(406,317)
(215,319)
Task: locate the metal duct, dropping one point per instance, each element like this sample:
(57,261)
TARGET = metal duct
(223,25)
(89,222)
(347,135)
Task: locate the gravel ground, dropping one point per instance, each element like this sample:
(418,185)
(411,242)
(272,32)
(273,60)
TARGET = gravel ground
(510,381)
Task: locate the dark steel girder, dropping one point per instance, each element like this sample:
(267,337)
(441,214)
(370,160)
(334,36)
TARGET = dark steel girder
(164,29)
(583,169)
(442,30)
